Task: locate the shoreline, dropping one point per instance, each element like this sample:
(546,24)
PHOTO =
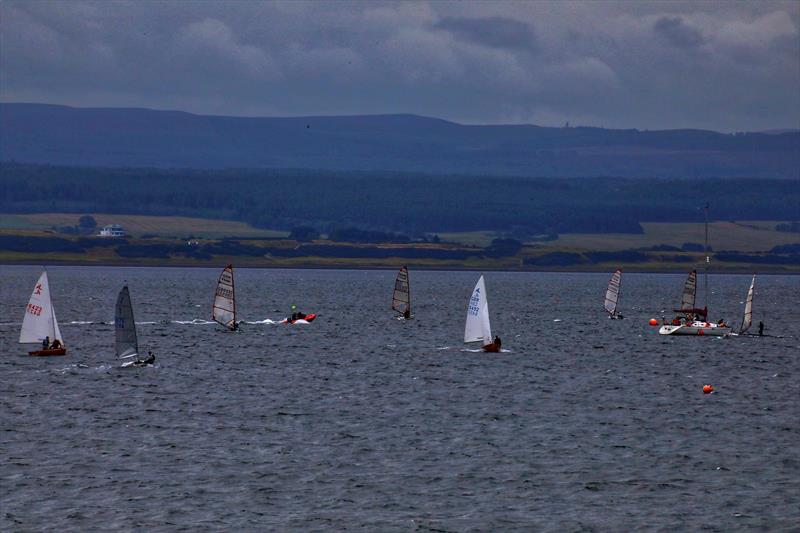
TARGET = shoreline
(753,269)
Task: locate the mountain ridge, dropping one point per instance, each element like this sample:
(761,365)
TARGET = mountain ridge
(141,137)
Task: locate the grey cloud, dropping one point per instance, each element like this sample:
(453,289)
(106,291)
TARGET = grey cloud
(498,32)
(678,33)
(612,64)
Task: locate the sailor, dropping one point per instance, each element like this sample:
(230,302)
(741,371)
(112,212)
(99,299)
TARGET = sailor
(407,314)
(235,326)
(56,344)
(497,341)
(46,343)
(150,359)
(760,329)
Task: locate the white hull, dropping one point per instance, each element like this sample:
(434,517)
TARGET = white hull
(696,329)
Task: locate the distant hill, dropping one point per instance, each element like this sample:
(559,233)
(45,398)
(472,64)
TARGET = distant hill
(110,137)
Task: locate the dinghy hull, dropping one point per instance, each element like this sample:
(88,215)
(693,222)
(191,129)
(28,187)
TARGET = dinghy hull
(307,318)
(696,329)
(54,351)
(491,348)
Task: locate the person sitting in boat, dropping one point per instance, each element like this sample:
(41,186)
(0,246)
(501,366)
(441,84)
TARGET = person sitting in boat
(46,343)
(56,344)
(497,341)
(676,321)
(149,360)
(722,323)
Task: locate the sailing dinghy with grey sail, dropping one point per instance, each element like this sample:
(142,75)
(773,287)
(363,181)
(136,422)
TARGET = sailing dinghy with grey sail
(126,342)
(224,308)
(612,295)
(401,296)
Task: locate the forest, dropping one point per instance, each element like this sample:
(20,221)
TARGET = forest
(396,203)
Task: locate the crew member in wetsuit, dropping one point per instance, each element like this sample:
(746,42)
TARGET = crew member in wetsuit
(56,344)
(497,341)
(150,359)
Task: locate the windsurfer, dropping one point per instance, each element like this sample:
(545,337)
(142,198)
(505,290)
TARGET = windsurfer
(760,329)
(407,314)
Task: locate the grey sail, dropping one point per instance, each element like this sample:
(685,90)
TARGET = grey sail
(689,291)
(125,327)
(401,297)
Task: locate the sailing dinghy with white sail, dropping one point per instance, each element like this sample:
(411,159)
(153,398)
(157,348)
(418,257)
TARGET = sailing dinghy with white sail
(39,324)
(747,319)
(126,342)
(612,295)
(224,308)
(691,320)
(401,296)
(478,328)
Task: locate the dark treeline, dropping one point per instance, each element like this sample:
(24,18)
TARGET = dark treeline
(404,203)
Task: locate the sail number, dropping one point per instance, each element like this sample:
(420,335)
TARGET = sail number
(225,293)
(119,323)
(35,310)
(474,302)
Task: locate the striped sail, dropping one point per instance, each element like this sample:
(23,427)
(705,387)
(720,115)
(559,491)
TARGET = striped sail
(612,293)
(689,291)
(747,320)
(477,327)
(40,316)
(401,297)
(124,326)
(224,309)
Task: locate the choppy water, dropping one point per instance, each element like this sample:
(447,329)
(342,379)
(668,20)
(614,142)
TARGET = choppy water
(362,421)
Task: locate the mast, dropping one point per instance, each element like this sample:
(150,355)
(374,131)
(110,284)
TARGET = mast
(708,259)
(233,298)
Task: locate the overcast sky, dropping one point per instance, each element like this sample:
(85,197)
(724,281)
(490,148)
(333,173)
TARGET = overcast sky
(726,66)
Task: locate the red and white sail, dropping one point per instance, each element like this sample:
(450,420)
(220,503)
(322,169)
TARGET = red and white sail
(40,321)
(224,309)
(612,293)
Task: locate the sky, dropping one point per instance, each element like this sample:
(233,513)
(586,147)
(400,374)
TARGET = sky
(726,66)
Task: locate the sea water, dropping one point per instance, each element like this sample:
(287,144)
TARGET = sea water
(359,420)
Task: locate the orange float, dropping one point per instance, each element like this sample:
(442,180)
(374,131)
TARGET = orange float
(708,389)
(653,322)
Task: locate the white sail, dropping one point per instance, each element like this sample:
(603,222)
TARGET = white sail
(612,293)
(40,317)
(747,320)
(224,310)
(401,297)
(124,326)
(477,327)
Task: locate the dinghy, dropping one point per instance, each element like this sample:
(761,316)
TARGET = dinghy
(126,343)
(401,296)
(612,295)
(691,320)
(39,322)
(477,328)
(747,319)
(224,308)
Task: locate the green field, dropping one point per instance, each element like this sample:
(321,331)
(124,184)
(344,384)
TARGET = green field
(138,225)
(743,236)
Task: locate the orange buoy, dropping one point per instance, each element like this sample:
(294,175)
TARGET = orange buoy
(708,389)
(653,322)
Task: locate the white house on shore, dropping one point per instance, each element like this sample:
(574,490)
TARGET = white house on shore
(112,230)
